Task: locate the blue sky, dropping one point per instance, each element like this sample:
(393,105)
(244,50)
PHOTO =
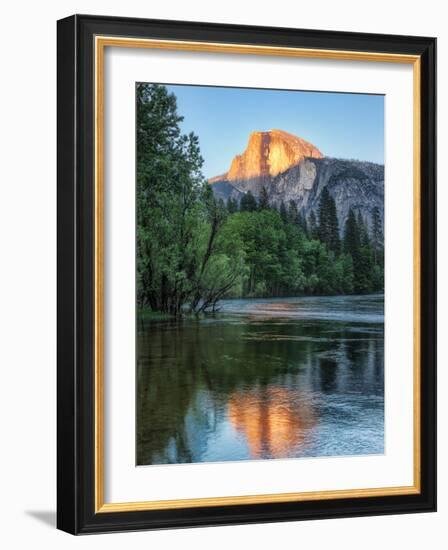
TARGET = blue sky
(340,125)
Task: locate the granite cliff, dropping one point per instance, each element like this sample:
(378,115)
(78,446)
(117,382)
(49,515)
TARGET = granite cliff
(290,168)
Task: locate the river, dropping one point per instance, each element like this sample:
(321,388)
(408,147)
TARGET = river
(263,379)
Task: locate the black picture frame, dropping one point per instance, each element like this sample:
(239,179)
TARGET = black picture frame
(76,264)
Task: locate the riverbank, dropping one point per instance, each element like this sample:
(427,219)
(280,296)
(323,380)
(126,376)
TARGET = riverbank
(351,308)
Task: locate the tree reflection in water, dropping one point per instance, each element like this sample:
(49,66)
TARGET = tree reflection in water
(257,385)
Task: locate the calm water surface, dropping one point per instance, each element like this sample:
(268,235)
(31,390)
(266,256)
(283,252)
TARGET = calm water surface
(272,378)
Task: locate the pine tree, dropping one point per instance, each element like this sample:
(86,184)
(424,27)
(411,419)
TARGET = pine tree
(293,213)
(357,244)
(363,230)
(352,242)
(301,220)
(328,230)
(263,199)
(283,212)
(377,237)
(232,205)
(364,271)
(312,226)
(347,273)
(334,242)
(248,203)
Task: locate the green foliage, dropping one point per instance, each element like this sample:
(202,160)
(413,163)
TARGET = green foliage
(328,230)
(193,250)
(248,203)
(293,213)
(283,212)
(169,211)
(377,237)
(363,231)
(325,273)
(232,205)
(351,235)
(263,200)
(312,226)
(270,253)
(368,272)
(301,222)
(178,219)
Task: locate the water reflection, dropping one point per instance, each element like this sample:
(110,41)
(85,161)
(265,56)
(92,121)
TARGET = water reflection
(263,380)
(271,420)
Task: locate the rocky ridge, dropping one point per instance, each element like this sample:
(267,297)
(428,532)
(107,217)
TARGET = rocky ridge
(290,168)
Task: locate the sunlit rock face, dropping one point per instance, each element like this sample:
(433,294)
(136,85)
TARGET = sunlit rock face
(269,154)
(290,168)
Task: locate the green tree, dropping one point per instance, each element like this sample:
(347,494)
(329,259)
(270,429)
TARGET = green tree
(319,268)
(377,244)
(232,205)
(263,199)
(352,243)
(221,265)
(356,243)
(248,202)
(347,280)
(283,212)
(270,250)
(301,220)
(363,273)
(169,214)
(178,218)
(377,278)
(312,226)
(328,230)
(363,230)
(377,237)
(293,213)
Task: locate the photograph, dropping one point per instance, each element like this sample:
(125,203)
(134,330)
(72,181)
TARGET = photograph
(259,274)
(246,265)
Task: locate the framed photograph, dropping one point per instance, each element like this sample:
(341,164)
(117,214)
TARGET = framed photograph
(246,274)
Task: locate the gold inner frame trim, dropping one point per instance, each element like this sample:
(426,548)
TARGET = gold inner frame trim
(101,42)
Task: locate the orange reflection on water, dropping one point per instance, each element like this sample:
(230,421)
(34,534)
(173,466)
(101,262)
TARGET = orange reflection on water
(267,310)
(274,420)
